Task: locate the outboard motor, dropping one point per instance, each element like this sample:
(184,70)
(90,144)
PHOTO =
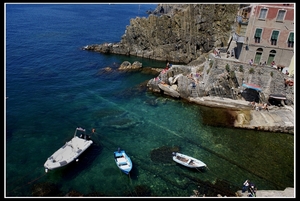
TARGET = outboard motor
(119,149)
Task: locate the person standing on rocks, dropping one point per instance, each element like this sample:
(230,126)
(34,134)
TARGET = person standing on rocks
(168,65)
(251,62)
(245,186)
(252,190)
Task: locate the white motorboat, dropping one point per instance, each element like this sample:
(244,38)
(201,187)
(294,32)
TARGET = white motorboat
(70,151)
(188,161)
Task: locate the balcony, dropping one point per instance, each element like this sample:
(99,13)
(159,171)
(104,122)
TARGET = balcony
(242,20)
(238,38)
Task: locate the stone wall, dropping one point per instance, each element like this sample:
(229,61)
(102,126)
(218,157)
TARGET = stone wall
(230,75)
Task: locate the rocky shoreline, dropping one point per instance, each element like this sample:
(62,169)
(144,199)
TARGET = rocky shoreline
(179,82)
(195,84)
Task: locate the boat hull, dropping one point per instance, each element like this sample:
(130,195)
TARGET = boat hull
(123,161)
(188,161)
(67,153)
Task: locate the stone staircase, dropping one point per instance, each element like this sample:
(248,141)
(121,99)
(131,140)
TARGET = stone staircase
(194,92)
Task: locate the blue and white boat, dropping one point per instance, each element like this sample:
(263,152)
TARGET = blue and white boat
(123,161)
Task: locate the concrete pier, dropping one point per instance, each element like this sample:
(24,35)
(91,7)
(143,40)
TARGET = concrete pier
(288,192)
(276,119)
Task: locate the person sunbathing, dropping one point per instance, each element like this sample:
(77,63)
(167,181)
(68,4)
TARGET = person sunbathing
(259,106)
(265,106)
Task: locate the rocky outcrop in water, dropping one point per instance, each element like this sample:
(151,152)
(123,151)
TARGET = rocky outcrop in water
(126,65)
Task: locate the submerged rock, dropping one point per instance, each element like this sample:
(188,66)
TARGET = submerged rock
(163,154)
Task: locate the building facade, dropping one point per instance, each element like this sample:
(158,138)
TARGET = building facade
(264,33)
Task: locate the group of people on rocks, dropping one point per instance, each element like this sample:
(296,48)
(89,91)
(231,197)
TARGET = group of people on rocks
(250,187)
(168,66)
(157,79)
(259,106)
(273,64)
(288,82)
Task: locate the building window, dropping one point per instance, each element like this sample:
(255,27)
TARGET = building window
(257,35)
(263,13)
(245,12)
(280,16)
(291,40)
(274,37)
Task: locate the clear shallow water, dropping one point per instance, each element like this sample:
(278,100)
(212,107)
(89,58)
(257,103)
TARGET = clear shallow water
(53,87)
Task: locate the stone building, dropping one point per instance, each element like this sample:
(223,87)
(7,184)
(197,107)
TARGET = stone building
(264,33)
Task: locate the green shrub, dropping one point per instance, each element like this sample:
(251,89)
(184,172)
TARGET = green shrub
(227,67)
(241,68)
(251,70)
(232,74)
(271,74)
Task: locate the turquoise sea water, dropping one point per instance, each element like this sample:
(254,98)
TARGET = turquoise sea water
(53,86)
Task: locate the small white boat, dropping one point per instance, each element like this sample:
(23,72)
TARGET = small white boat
(70,151)
(123,161)
(188,161)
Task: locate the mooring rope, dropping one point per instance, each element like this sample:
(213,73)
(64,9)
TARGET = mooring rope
(131,185)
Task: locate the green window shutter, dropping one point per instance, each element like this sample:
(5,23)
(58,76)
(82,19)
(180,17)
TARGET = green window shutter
(258,33)
(275,35)
(291,37)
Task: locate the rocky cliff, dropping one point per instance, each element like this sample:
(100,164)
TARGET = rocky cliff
(179,33)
